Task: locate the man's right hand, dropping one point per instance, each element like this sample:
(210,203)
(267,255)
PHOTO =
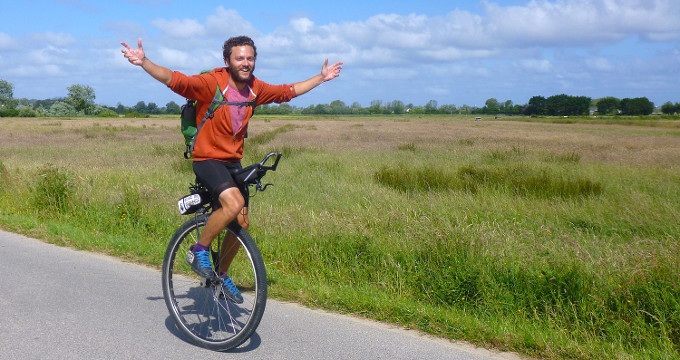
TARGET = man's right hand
(137,57)
(134,56)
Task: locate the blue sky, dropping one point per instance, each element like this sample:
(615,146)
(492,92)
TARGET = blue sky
(454,52)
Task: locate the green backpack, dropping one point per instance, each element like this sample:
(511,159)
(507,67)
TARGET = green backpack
(189,121)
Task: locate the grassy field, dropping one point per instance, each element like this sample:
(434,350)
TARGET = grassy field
(552,239)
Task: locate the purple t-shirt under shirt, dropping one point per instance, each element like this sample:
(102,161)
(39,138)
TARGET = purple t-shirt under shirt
(237,112)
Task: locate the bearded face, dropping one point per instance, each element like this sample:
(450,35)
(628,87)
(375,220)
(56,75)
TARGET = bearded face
(241,63)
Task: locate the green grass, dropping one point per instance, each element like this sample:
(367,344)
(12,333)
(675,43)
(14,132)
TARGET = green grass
(523,247)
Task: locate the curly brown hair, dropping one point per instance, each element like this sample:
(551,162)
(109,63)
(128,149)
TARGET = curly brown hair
(237,41)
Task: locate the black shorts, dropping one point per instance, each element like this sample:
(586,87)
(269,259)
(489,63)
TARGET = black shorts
(216,176)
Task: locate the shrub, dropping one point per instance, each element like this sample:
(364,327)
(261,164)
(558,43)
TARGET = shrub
(107,113)
(27,112)
(426,179)
(517,180)
(53,191)
(61,108)
(9,112)
(134,114)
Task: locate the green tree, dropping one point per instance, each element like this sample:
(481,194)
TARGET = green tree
(6,93)
(465,109)
(121,109)
(608,105)
(580,105)
(398,107)
(356,108)
(557,105)
(284,109)
(375,106)
(565,105)
(637,106)
(338,107)
(491,106)
(323,109)
(172,108)
(448,109)
(537,106)
(431,107)
(669,108)
(81,97)
(140,107)
(61,108)
(152,108)
(387,109)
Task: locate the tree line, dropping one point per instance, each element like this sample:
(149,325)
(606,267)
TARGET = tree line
(80,102)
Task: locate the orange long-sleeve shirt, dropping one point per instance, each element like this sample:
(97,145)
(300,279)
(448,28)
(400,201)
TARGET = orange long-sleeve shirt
(217,139)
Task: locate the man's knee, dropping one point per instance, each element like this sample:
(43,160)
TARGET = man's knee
(232,200)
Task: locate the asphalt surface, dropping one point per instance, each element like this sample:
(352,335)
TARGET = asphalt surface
(59,303)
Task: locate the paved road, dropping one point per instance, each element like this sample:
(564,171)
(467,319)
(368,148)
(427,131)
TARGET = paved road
(58,303)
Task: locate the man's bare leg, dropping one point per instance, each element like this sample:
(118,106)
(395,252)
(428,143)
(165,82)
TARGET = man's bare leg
(232,202)
(231,245)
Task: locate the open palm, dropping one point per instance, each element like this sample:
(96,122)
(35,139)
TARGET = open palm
(134,56)
(330,72)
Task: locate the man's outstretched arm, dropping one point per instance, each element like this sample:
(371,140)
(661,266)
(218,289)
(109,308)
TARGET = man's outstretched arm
(137,57)
(327,73)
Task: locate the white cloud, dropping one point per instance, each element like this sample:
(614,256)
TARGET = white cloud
(225,23)
(581,22)
(461,35)
(459,71)
(54,39)
(460,29)
(178,58)
(7,42)
(389,74)
(302,25)
(599,64)
(450,54)
(125,30)
(536,65)
(391,30)
(664,36)
(48,55)
(437,90)
(180,29)
(35,71)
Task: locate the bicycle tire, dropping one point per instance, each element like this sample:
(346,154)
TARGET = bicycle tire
(199,312)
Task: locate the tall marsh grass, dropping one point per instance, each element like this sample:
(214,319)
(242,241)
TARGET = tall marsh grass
(551,252)
(53,190)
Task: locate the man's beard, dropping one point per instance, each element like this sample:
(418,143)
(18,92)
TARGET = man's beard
(238,76)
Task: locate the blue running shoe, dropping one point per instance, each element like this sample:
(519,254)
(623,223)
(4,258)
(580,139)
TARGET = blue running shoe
(200,263)
(231,291)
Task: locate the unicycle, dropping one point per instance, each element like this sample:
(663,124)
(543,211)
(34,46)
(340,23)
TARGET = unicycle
(199,306)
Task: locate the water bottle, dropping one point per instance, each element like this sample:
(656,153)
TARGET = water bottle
(189,204)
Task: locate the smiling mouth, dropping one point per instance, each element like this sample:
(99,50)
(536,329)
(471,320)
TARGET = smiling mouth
(243,74)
